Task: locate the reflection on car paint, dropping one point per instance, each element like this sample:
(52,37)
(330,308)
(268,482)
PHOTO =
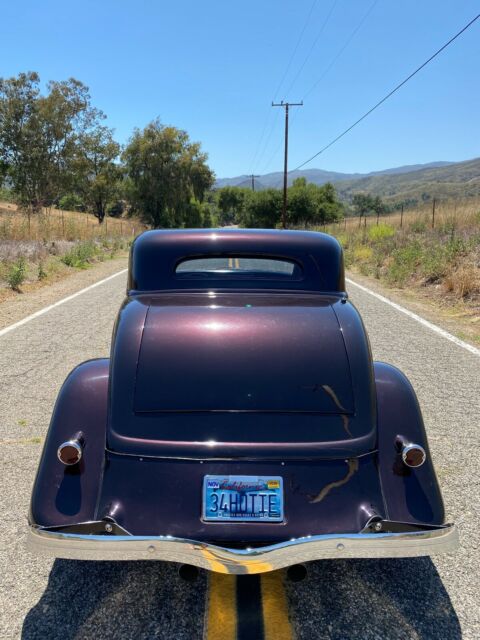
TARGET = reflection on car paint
(352,468)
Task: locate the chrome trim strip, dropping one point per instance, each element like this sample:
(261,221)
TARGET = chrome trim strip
(241,561)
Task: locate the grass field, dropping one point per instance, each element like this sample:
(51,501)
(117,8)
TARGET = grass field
(54,224)
(436,255)
(51,244)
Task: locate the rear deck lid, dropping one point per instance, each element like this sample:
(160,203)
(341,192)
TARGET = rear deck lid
(251,354)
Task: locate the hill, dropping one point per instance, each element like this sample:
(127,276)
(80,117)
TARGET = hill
(411,182)
(456,180)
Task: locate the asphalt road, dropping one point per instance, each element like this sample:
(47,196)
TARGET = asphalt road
(411,598)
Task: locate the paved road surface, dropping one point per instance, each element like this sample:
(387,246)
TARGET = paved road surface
(411,598)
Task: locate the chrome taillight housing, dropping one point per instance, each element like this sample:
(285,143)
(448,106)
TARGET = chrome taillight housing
(413,455)
(70,452)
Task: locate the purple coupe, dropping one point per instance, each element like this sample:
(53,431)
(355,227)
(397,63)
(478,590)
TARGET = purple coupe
(240,424)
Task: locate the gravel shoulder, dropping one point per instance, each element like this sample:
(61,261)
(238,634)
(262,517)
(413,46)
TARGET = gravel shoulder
(19,305)
(459,320)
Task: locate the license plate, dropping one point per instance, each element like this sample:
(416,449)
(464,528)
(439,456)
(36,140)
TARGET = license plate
(242,499)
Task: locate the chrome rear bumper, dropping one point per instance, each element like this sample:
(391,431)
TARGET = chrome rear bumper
(239,561)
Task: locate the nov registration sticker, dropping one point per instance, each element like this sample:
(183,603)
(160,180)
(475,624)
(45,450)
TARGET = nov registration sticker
(242,499)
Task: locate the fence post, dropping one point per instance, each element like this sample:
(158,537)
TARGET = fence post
(433,214)
(345,223)
(378,216)
(401,218)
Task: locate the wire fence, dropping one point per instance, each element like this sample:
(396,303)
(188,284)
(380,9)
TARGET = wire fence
(436,214)
(56,224)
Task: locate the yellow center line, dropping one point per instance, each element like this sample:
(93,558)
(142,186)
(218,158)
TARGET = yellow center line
(230,263)
(221,622)
(275,607)
(237,263)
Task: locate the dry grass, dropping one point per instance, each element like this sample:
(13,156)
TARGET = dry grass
(436,257)
(54,224)
(457,215)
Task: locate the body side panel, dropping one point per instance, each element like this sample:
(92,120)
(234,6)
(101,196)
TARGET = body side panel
(66,495)
(411,495)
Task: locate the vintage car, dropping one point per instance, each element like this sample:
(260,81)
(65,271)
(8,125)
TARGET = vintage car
(240,424)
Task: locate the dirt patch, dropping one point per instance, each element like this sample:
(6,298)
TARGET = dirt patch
(35,296)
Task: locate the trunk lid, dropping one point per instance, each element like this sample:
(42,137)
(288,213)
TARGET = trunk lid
(248,353)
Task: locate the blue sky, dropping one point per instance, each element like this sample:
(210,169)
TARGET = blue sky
(213,68)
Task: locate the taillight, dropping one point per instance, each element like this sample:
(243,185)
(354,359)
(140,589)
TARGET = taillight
(70,452)
(413,455)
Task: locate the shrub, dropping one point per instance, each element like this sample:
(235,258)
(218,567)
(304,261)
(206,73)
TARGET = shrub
(16,274)
(362,253)
(464,281)
(42,274)
(418,226)
(381,232)
(404,263)
(80,255)
(71,202)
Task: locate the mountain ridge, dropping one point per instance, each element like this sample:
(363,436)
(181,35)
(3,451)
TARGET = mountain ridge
(407,182)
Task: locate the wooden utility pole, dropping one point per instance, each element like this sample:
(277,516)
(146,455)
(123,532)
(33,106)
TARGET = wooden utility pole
(433,214)
(286,105)
(253,181)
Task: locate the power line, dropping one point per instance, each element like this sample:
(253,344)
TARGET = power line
(307,20)
(292,56)
(380,102)
(322,29)
(342,49)
(324,73)
(267,140)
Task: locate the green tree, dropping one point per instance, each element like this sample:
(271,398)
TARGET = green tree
(71,202)
(363,204)
(39,136)
(230,202)
(96,173)
(165,171)
(262,209)
(310,204)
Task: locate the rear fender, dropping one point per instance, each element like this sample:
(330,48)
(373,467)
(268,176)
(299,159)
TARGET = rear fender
(66,495)
(411,495)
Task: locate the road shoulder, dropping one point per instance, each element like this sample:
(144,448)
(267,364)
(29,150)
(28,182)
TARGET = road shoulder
(456,321)
(21,305)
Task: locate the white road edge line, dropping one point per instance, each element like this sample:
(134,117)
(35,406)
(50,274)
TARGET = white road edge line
(414,316)
(57,304)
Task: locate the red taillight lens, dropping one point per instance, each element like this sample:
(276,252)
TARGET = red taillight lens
(70,452)
(413,455)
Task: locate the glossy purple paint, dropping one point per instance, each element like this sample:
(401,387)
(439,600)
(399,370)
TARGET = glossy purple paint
(240,376)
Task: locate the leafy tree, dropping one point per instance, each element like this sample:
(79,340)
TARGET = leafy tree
(379,207)
(262,209)
(39,136)
(97,175)
(71,202)
(165,171)
(312,204)
(363,203)
(22,159)
(207,216)
(230,202)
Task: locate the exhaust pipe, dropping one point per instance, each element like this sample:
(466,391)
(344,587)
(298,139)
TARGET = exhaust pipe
(297,572)
(188,572)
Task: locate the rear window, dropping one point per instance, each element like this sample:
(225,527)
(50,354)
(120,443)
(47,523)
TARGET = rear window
(238,266)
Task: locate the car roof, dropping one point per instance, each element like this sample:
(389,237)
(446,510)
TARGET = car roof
(155,255)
